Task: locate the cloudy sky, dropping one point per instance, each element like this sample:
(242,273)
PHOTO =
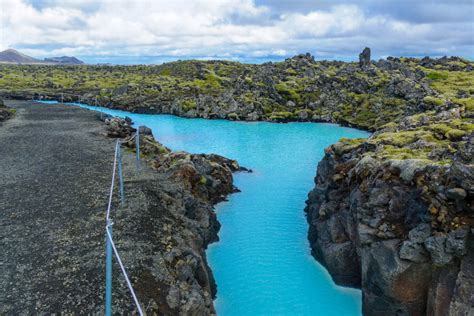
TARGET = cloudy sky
(153,31)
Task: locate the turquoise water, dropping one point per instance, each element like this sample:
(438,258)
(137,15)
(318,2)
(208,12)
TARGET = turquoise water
(262,263)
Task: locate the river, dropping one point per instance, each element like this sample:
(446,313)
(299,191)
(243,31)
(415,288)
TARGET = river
(262,263)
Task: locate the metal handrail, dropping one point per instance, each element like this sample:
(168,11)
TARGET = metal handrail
(110,245)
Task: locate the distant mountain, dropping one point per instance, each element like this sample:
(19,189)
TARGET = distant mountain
(11,56)
(15,57)
(64,60)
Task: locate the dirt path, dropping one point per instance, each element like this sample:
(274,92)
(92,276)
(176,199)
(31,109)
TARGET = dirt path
(55,167)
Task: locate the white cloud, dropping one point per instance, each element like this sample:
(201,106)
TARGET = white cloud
(226,28)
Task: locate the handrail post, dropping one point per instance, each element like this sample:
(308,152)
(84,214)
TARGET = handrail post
(119,156)
(137,145)
(108,272)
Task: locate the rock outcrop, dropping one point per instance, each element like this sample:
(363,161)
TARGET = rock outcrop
(364,58)
(298,89)
(168,222)
(401,230)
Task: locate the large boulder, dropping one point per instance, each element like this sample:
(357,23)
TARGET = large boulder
(364,58)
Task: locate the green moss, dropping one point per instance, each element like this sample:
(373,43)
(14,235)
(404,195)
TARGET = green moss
(347,144)
(450,83)
(188,105)
(433,101)
(210,85)
(402,138)
(389,125)
(352,141)
(233,116)
(165,72)
(462,124)
(284,115)
(455,134)
(440,128)
(401,153)
(203,180)
(468,103)
(248,98)
(437,75)
(287,92)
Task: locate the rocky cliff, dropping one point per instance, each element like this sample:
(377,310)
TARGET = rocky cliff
(167,224)
(394,215)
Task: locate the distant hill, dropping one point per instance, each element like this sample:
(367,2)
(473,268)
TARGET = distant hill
(15,57)
(11,56)
(64,60)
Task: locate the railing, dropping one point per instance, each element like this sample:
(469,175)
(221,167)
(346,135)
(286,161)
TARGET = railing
(110,245)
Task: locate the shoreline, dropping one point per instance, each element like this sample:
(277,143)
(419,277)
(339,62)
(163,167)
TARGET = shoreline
(167,265)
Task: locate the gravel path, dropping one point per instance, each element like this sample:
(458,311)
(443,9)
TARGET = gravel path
(55,168)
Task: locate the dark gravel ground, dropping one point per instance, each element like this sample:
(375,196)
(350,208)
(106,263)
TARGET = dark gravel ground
(55,169)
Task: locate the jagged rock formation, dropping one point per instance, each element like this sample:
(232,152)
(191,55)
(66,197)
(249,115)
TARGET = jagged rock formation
(168,223)
(364,58)
(399,229)
(394,214)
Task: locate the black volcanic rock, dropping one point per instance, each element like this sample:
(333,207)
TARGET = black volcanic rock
(364,58)
(66,60)
(398,229)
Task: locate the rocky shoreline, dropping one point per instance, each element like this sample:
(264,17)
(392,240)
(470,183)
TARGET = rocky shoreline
(393,214)
(365,95)
(399,230)
(176,223)
(53,216)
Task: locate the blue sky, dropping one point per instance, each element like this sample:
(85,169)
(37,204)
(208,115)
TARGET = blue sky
(155,31)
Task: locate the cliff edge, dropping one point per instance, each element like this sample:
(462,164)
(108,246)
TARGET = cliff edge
(393,214)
